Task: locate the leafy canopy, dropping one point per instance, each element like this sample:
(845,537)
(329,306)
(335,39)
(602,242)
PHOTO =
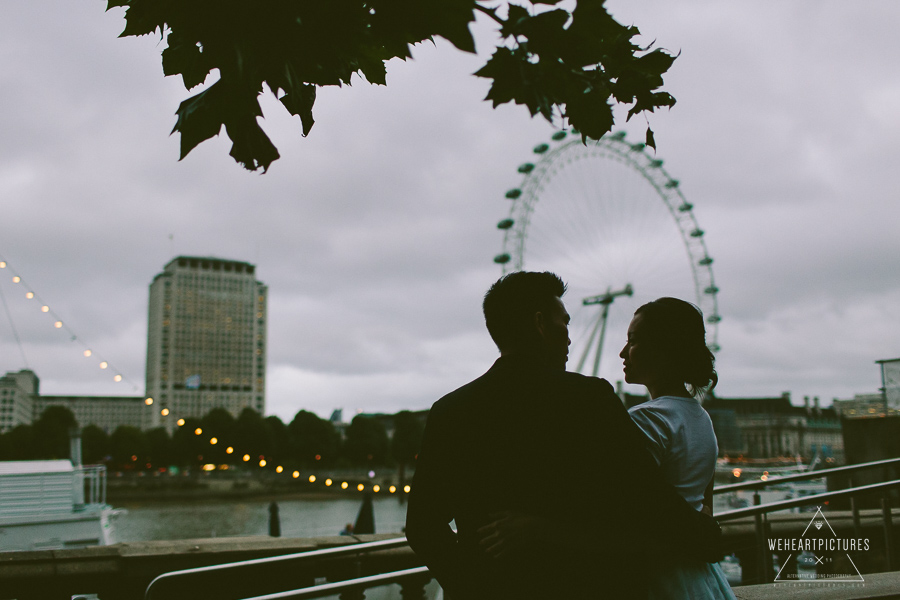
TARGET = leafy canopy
(570,65)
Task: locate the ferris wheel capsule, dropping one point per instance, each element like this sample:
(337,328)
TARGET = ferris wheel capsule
(599,214)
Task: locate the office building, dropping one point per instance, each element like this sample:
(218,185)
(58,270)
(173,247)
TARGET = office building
(206,339)
(17,393)
(106,412)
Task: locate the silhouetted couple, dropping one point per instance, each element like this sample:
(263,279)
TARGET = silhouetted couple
(555,491)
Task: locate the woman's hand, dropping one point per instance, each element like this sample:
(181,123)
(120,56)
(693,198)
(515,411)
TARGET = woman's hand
(511,532)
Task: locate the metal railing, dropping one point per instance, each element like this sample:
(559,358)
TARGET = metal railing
(355,589)
(415,579)
(776,479)
(162,585)
(760,513)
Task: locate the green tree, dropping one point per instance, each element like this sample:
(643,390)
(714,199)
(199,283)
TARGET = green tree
(279,437)
(407,440)
(367,441)
(18,443)
(128,446)
(562,64)
(94,445)
(187,446)
(312,437)
(221,425)
(160,450)
(51,432)
(252,436)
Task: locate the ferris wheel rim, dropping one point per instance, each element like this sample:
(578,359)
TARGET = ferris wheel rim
(667,188)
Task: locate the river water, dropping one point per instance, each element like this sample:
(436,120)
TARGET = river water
(307,517)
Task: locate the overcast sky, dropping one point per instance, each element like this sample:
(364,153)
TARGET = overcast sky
(376,233)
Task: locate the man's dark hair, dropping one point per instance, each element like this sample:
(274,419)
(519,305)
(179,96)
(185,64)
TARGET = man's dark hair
(512,301)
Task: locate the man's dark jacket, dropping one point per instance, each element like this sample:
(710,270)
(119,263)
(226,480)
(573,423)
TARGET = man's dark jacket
(554,444)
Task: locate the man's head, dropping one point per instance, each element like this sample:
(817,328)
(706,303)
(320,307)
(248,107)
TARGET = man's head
(524,314)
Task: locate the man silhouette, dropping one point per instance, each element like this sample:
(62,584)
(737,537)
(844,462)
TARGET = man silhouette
(528,439)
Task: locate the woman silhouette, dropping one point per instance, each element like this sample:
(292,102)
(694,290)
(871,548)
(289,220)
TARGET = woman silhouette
(666,352)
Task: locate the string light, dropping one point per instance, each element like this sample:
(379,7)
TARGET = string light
(164,412)
(198,431)
(213,441)
(392,489)
(328,482)
(149,401)
(262,462)
(344,485)
(312,478)
(57,322)
(279,469)
(104,364)
(360,487)
(229,450)
(406,488)
(376,488)
(246,458)
(180,422)
(295,474)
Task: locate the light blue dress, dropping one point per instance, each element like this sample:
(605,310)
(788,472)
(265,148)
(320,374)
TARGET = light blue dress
(683,443)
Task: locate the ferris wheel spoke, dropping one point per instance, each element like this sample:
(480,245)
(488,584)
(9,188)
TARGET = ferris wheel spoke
(606,215)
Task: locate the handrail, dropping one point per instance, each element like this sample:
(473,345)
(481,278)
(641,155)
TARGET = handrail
(295,557)
(760,509)
(385,578)
(749,485)
(330,589)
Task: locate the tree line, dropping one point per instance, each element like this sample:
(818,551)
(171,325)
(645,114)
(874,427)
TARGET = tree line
(307,441)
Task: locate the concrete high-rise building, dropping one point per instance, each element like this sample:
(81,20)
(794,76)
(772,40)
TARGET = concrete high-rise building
(206,339)
(17,393)
(106,412)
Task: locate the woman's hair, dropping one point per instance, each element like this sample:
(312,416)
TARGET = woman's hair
(675,329)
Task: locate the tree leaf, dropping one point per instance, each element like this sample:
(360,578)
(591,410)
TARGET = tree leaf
(251,146)
(144,16)
(301,103)
(650,140)
(200,118)
(186,59)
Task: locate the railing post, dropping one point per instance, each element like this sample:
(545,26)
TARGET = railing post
(413,588)
(857,526)
(353,594)
(764,556)
(888,530)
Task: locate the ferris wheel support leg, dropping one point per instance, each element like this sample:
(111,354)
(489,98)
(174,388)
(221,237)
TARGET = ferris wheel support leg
(603,317)
(588,345)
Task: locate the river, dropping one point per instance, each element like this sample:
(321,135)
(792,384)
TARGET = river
(306,517)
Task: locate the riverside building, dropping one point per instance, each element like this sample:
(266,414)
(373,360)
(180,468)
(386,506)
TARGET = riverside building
(17,393)
(206,339)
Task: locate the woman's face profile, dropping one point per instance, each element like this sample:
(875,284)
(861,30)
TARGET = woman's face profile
(634,354)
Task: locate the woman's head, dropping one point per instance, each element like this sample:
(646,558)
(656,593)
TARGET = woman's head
(667,344)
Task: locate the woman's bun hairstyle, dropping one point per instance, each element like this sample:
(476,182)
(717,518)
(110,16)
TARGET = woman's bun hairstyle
(675,328)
